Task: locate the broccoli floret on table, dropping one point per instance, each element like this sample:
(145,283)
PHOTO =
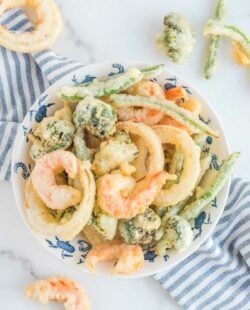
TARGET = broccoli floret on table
(177,38)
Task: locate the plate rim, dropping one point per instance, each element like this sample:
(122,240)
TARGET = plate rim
(127,63)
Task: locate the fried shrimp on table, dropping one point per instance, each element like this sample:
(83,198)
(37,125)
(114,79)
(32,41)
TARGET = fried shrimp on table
(43,178)
(123,198)
(129,257)
(143,115)
(59,289)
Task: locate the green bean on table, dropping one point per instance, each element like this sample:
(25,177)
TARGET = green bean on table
(220,12)
(232,32)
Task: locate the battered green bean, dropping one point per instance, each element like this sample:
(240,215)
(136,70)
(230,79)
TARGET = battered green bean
(181,115)
(81,149)
(214,27)
(150,72)
(101,88)
(193,210)
(220,12)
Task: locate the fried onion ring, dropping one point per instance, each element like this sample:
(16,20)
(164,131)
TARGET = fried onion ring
(151,142)
(47,28)
(191,167)
(43,222)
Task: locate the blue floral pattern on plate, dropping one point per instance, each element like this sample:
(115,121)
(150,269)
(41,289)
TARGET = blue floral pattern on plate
(42,110)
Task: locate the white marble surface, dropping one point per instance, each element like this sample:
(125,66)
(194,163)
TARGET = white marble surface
(118,30)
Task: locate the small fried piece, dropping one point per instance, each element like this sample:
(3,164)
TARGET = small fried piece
(240,57)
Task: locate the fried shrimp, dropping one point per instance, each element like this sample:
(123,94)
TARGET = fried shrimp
(123,198)
(58,289)
(143,115)
(44,181)
(129,257)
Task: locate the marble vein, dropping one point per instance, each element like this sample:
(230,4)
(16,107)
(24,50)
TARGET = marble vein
(25,263)
(79,43)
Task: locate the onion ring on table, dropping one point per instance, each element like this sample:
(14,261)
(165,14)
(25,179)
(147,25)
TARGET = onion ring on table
(191,167)
(48,26)
(43,222)
(151,142)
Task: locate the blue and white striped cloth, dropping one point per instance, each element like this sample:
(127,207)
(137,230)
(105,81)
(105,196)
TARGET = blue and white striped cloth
(217,276)
(23,77)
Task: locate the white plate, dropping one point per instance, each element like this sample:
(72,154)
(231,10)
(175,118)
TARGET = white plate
(74,252)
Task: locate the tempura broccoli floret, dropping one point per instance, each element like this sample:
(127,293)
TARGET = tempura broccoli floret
(96,116)
(141,228)
(177,38)
(103,223)
(177,233)
(114,152)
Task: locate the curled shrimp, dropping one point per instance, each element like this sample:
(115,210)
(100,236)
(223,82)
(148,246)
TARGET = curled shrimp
(129,257)
(43,178)
(123,198)
(143,115)
(58,289)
